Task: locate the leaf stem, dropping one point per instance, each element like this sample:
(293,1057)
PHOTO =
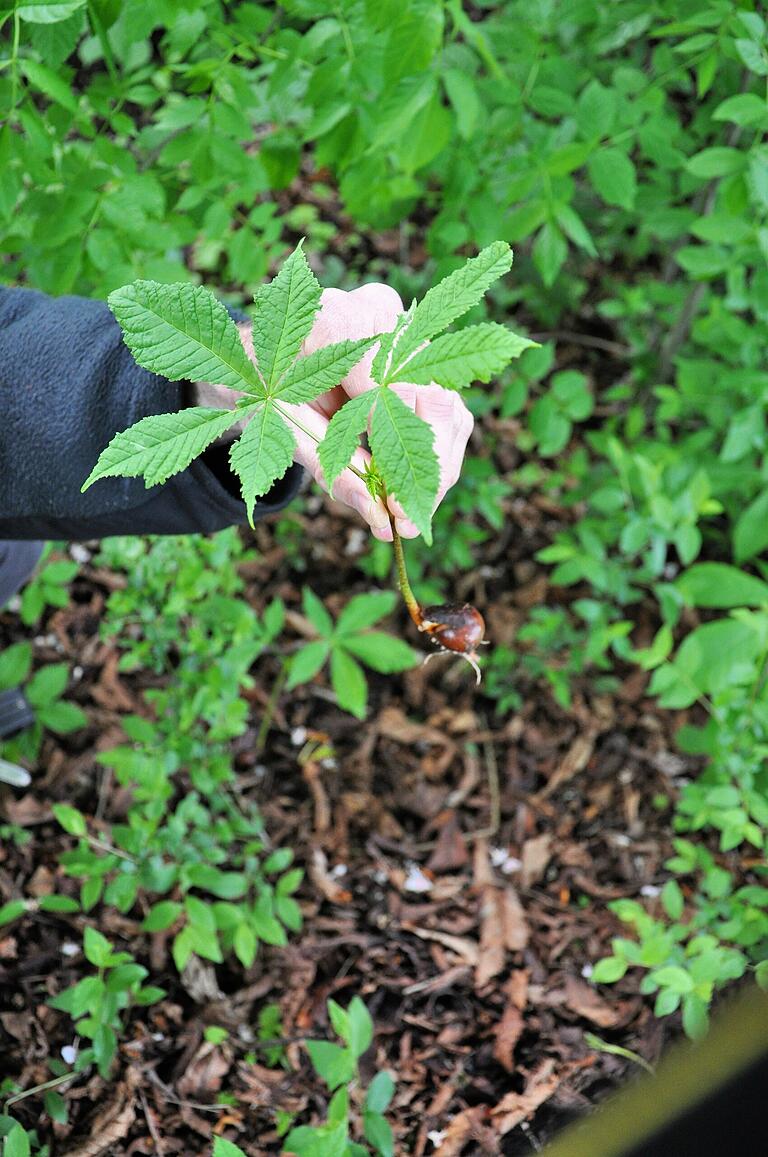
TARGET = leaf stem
(414,610)
(314,437)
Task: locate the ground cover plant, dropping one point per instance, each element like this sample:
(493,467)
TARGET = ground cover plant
(577,846)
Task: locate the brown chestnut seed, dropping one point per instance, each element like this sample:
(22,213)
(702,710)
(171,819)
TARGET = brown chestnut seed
(456,628)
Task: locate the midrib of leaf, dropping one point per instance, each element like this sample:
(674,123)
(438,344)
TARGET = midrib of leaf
(272,387)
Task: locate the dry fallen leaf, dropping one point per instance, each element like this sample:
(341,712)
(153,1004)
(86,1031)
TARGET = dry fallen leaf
(582,999)
(517,1107)
(503,925)
(535,857)
(506,1035)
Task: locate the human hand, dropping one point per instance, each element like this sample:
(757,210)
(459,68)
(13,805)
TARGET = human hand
(360,313)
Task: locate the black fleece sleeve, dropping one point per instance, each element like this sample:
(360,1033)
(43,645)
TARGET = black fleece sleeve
(68,383)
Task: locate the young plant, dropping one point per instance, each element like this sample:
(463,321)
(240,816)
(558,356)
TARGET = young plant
(345,642)
(349,1108)
(97,1003)
(44,691)
(184,333)
(48,587)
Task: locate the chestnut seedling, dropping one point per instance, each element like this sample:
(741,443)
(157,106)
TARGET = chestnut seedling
(183,333)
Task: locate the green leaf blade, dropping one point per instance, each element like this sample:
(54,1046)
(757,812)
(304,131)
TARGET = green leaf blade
(403,448)
(343,434)
(310,376)
(383,653)
(161,445)
(261,455)
(349,683)
(183,333)
(716,584)
(452,298)
(475,354)
(285,312)
(51,13)
(362,611)
(613,175)
(306,663)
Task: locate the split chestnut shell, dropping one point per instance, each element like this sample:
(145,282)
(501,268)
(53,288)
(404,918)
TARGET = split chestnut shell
(457,628)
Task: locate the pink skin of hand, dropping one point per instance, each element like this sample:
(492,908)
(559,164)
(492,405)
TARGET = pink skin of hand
(360,313)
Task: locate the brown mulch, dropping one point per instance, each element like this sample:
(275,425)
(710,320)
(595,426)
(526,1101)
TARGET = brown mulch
(459,866)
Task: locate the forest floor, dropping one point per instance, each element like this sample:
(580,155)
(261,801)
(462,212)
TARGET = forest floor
(459,866)
(459,861)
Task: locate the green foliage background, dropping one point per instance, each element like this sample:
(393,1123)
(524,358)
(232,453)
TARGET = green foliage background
(620,148)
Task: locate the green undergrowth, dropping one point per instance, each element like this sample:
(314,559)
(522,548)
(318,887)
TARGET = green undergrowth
(621,150)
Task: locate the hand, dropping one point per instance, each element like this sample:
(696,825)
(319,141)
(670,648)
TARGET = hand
(361,313)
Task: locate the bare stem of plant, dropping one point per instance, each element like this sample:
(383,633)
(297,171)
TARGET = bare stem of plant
(414,610)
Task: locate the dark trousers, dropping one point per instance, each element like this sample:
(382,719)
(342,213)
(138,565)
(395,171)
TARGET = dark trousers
(17,561)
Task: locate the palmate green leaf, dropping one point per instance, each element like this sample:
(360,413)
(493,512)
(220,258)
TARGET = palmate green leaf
(402,446)
(161,445)
(311,376)
(343,433)
(262,454)
(285,311)
(449,300)
(182,332)
(475,354)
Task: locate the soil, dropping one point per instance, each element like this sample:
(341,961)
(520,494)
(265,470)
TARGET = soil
(459,867)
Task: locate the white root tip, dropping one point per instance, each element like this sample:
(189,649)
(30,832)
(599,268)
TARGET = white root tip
(471,659)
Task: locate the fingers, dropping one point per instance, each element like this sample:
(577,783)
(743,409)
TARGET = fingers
(348,487)
(363,312)
(371,309)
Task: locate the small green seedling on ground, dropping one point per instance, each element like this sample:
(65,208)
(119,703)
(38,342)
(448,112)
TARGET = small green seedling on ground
(345,642)
(337,1065)
(48,587)
(96,1003)
(44,691)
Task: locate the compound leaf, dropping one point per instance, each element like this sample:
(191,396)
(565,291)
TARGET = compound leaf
(402,446)
(475,354)
(161,445)
(343,433)
(449,300)
(311,376)
(184,333)
(261,455)
(285,311)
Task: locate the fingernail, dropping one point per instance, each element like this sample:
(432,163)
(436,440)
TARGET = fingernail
(373,512)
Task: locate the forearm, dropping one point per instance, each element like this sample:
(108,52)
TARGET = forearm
(67,385)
